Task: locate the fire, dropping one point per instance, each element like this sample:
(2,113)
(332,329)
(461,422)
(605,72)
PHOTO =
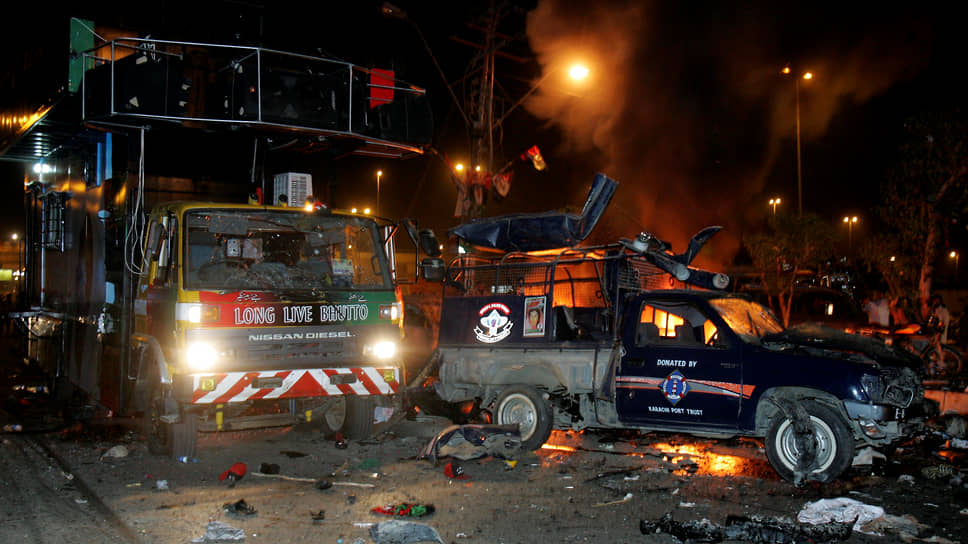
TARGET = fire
(708,462)
(557,439)
(682,456)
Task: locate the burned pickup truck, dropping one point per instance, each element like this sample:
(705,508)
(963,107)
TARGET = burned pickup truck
(586,338)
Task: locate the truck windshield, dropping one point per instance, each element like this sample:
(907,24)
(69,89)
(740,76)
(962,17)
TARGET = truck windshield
(751,321)
(266,249)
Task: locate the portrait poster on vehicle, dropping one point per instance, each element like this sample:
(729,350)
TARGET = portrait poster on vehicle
(534,316)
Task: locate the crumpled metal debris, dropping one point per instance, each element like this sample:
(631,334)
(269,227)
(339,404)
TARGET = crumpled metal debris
(116,452)
(753,529)
(840,510)
(217,531)
(474,441)
(403,532)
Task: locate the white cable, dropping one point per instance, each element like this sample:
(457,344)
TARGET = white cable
(134,251)
(89,29)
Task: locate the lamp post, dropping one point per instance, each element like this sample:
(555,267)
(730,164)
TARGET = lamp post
(954,255)
(796,87)
(774,202)
(850,230)
(379,174)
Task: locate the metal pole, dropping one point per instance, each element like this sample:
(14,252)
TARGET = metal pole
(796,83)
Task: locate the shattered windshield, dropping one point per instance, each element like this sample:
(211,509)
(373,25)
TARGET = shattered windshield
(262,249)
(751,321)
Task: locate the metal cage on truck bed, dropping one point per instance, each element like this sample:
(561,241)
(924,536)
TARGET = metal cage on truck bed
(576,278)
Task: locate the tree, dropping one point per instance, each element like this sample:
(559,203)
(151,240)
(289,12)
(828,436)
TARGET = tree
(792,246)
(926,193)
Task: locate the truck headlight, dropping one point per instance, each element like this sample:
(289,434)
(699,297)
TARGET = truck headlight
(200,356)
(382,350)
(390,311)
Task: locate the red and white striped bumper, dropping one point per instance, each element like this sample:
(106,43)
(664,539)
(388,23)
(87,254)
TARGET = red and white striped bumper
(285,384)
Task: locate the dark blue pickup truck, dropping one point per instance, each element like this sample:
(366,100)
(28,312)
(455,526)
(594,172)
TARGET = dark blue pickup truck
(584,339)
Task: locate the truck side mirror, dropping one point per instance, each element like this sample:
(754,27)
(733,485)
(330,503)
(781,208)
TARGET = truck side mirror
(432,269)
(429,243)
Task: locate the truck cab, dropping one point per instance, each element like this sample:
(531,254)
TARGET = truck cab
(249,315)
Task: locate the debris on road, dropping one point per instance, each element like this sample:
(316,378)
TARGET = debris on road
(217,531)
(318,517)
(473,441)
(754,529)
(269,468)
(405,509)
(116,452)
(233,474)
(626,498)
(455,472)
(403,532)
(840,510)
(239,508)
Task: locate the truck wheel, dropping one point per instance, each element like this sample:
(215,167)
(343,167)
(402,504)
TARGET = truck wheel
(525,407)
(351,415)
(157,433)
(334,418)
(834,444)
(174,439)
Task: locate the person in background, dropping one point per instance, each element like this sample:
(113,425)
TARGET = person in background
(902,311)
(940,311)
(878,310)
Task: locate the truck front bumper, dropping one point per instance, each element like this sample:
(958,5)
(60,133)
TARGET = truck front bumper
(880,423)
(235,387)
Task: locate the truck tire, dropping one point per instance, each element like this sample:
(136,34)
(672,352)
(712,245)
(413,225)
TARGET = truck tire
(832,437)
(526,407)
(173,439)
(351,415)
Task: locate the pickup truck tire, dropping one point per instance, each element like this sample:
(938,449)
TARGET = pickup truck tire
(351,415)
(833,439)
(526,407)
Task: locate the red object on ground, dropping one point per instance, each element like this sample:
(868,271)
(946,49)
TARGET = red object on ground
(236,471)
(455,473)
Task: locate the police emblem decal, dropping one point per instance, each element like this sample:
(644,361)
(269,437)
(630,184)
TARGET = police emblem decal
(674,387)
(495,325)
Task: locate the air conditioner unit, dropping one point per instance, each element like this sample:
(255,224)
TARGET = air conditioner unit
(294,186)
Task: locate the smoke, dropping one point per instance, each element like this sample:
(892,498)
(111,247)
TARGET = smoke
(686,106)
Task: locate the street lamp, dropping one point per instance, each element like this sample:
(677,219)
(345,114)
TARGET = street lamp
(774,202)
(954,255)
(796,86)
(850,229)
(379,174)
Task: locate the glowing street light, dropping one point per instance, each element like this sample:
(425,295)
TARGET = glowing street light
(796,85)
(954,255)
(850,229)
(379,174)
(774,202)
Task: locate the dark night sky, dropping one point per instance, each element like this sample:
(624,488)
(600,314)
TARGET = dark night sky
(686,106)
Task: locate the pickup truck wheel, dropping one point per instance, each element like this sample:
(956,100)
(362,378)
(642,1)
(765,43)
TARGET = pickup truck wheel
(832,438)
(526,407)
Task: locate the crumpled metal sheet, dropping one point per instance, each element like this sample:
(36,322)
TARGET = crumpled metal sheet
(403,532)
(539,231)
(217,531)
(474,441)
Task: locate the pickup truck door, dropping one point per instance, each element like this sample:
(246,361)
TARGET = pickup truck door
(677,370)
